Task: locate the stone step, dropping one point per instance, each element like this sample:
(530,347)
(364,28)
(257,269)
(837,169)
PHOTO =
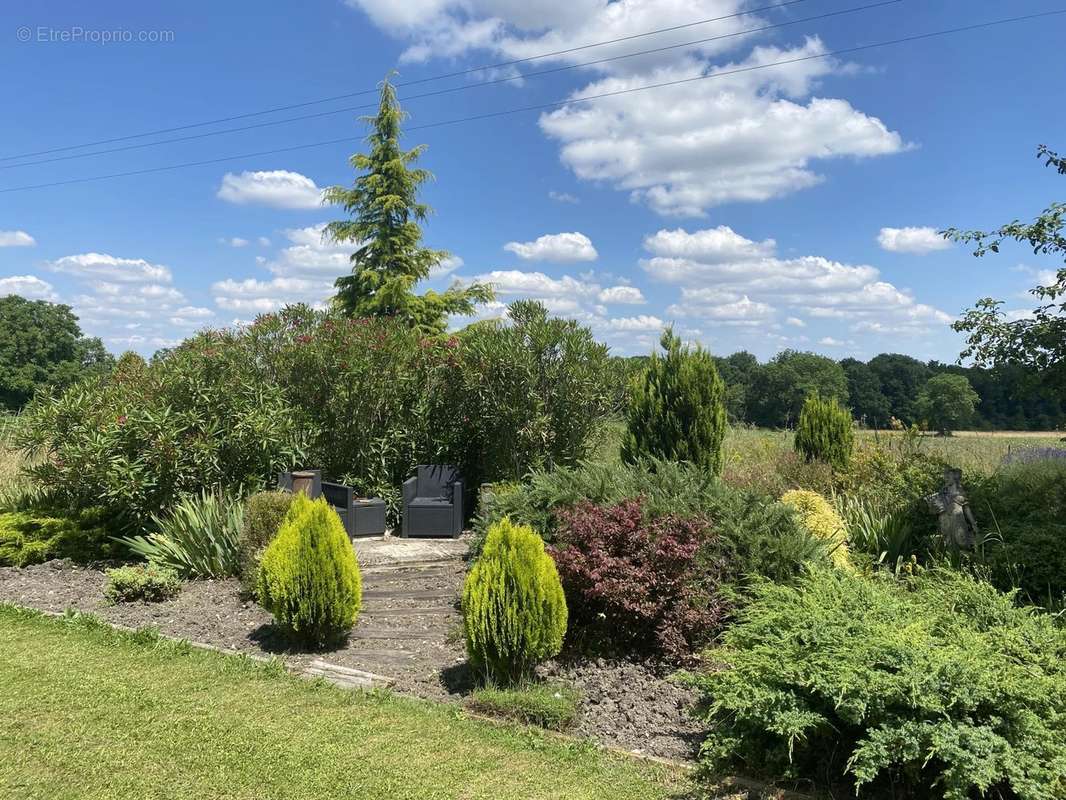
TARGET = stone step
(423,611)
(429,565)
(432,594)
(398,634)
(346,677)
(384,659)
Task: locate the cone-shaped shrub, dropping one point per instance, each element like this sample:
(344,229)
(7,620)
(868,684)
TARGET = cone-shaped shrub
(820,520)
(308,576)
(824,432)
(514,611)
(677,410)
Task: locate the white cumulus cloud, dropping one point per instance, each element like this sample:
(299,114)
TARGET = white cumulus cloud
(916,241)
(621,295)
(29,286)
(101,266)
(279,188)
(16,239)
(559,247)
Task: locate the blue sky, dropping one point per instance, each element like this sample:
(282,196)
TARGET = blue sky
(787,206)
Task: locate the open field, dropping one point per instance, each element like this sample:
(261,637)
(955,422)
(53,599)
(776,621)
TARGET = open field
(89,712)
(978,451)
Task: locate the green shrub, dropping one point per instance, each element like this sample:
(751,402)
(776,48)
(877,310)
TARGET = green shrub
(264,513)
(756,535)
(821,520)
(200,418)
(937,686)
(546,705)
(514,611)
(362,399)
(32,537)
(824,432)
(529,394)
(139,582)
(199,538)
(1024,505)
(677,409)
(308,577)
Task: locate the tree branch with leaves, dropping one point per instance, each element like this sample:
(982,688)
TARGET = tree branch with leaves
(1036,341)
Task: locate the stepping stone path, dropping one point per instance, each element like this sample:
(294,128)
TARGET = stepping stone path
(409,625)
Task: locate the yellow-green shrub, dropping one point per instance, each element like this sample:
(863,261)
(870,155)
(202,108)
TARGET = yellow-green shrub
(821,520)
(514,611)
(34,536)
(308,576)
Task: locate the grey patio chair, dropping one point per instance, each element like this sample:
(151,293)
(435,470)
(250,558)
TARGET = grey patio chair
(433,502)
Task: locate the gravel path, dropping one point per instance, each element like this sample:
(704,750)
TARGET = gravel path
(409,629)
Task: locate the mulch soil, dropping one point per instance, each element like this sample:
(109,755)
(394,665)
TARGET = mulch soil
(409,630)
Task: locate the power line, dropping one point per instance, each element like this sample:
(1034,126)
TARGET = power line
(456,74)
(453,89)
(558,103)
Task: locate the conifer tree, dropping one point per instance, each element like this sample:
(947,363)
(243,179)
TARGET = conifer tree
(677,411)
(825,431)
(384,226)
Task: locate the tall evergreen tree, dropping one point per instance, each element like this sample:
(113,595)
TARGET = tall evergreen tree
(384,226)
(677,411)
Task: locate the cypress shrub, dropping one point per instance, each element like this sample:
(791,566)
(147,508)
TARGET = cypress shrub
(677,410)
(264,513)
(514,611)
(824,432)
(308,576)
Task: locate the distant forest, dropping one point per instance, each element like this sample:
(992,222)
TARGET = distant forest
(887,386)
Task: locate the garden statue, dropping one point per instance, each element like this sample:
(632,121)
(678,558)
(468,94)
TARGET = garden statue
(957,524)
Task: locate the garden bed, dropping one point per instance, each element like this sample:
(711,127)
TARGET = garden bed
(408,630)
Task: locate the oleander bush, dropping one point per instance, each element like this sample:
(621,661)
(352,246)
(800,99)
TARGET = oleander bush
(365,400)
(149,583)
(936,685)
(824,432)
(308,576)
(676,408)
(264,513)
(198,538)
(821,520)
(514,610)
(633,584)
(37,535)
(546,705)
(199,418)
(528,394)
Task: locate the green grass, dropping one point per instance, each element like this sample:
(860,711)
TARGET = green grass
(745,448)
(551,706)
(87,712)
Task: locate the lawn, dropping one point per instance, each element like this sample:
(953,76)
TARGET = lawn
(89,712)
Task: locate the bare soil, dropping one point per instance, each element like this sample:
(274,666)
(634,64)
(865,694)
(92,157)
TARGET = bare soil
(409,630)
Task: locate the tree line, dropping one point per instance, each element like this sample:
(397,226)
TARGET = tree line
(887,391)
